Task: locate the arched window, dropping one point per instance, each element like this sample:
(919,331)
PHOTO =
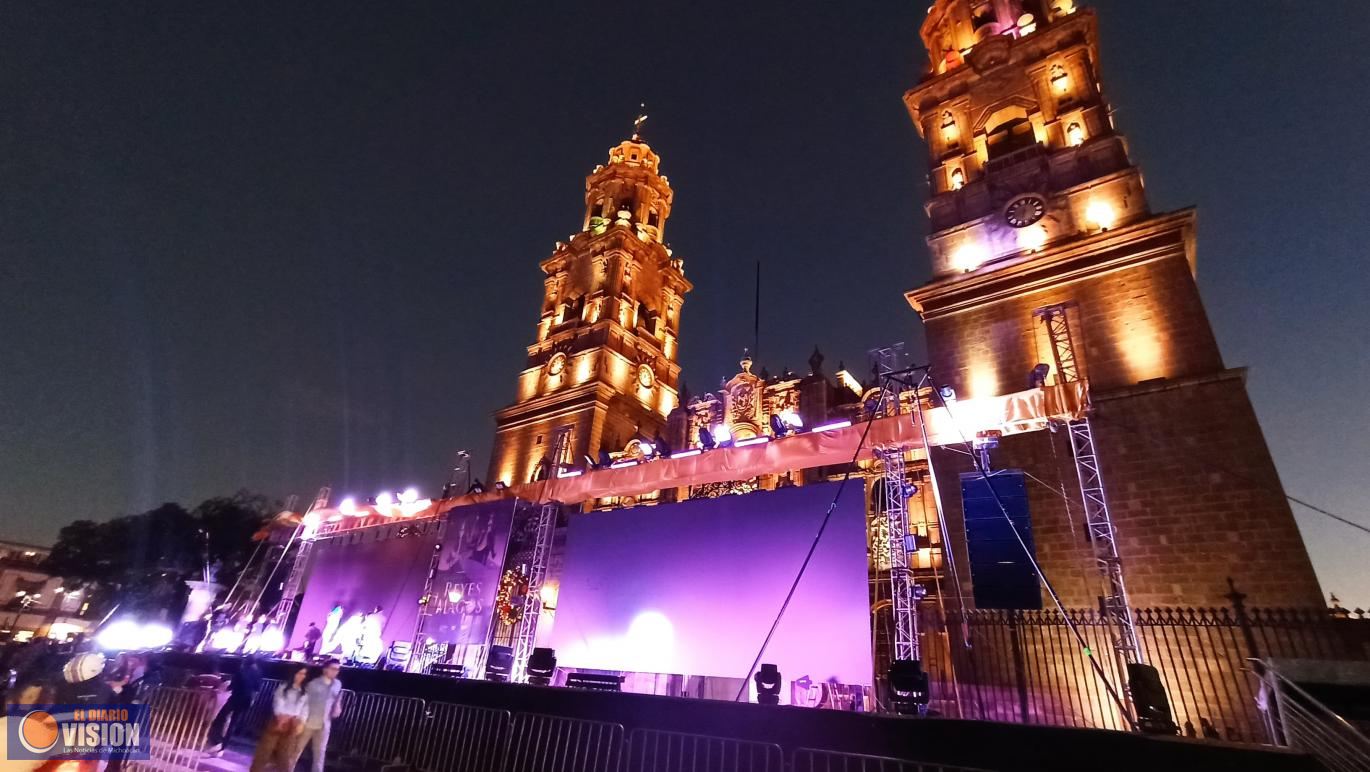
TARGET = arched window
(1010,136)
(950,134)
(1060,79)
(1075,135)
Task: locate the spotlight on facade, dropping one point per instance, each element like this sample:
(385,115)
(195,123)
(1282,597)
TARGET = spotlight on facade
(706,438)
(542,665)
(1032,238)
(768,683)
(947,393)
(968,257)
(1038,377)
(1101,214)
(908,687)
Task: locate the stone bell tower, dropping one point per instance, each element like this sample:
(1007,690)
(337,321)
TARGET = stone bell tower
(1035,203)
(604,361)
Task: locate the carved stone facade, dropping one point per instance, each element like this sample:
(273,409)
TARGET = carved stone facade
(1035,202)
(605,359)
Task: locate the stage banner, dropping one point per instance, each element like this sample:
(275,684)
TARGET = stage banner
(466,578)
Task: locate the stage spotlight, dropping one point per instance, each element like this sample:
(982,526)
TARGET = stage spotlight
(542,665)
(409,496)
(647,448)
(348,506)
(1038,377)
(476,487)
(385,499)
(947,393)
(500,664)
(768,683)
(501,485)
(663,449)
(722,436)
(706,438)
(605,460)
(778,427)
(908,687)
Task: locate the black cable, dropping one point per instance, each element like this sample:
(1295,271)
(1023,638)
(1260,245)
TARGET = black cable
(808,557)
(1104,417)
(1032,559)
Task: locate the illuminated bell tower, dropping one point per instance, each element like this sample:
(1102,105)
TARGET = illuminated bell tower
(1034,204)
(605,358)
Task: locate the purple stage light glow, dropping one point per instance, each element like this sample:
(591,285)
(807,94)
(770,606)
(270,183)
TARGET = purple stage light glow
(692,588)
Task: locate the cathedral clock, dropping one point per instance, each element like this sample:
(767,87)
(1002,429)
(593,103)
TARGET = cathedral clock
(1024,211)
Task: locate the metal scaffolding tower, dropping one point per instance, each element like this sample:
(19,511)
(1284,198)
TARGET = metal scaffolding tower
(895,505)
(281,614)
(1098,520)
(526,635)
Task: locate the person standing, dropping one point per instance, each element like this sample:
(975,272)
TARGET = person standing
(324,698)
(241,691)
(289,708)
(312,636)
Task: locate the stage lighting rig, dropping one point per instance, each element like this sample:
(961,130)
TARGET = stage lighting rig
(768,682)
(947,393)
(542,665)
(908,687)
(786,422)
(723,437)
(500,664)
(706,438)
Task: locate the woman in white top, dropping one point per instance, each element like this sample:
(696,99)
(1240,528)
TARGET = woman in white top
(288,710)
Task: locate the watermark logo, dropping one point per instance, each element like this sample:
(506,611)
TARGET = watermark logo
(37,732)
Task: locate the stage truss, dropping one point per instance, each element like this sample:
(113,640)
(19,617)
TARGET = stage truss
(1098,519)
(526,634)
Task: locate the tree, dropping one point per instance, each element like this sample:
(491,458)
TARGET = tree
(141,562)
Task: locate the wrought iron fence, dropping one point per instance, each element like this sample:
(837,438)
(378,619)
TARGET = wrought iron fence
(1029,667)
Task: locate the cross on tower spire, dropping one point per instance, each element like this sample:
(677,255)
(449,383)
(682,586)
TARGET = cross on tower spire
(639,120)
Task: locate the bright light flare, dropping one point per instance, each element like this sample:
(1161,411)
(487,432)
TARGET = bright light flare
(409,496)
(721,434)
(385,499)
(969,256)
(1101,214)
(348,506)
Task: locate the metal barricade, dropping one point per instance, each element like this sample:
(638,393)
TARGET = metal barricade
(178,728)
(650,750)
(377,726)
(541,743)
(461,738)
(256,717)
(813,760)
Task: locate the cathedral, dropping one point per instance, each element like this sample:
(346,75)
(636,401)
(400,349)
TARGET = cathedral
(1048,266)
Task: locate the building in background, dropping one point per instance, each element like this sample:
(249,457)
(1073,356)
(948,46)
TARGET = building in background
(1040,227)
(605,360)
(34,603)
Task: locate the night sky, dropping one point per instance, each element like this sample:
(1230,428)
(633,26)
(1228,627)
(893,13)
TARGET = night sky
(280,245)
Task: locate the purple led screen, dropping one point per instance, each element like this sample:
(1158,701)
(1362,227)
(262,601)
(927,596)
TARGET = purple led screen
(466,577)
(358,573)
(692,588)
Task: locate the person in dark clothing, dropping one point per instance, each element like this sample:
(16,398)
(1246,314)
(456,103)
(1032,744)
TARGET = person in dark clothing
(312,636)
(241,691)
